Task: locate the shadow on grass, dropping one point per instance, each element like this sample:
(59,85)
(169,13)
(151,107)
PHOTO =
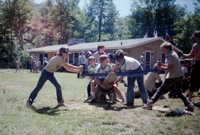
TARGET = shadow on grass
(112,106)
(49,111)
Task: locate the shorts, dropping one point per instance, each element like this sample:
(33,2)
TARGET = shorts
(195,74)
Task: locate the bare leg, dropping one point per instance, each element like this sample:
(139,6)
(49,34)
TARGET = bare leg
(92,87)
(116,89)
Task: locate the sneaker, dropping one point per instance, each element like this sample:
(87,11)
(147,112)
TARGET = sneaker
(149,104)
(92,100)
(144,106)
(61,103)
(29,105)
(86,100)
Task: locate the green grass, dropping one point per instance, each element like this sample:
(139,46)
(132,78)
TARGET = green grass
(80,118)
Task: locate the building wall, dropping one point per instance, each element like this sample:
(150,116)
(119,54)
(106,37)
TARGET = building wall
(153,48)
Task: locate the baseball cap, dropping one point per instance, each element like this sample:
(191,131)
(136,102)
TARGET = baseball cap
(64,50)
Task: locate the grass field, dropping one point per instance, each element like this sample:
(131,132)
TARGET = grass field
(80,118)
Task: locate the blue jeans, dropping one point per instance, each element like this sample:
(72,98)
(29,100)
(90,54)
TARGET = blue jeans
(130,89)
(45,75)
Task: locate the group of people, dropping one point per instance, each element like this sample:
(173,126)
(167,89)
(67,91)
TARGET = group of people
(35,65)
(101,63)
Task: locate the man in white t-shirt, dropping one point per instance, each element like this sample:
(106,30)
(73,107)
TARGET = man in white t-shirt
(126,64)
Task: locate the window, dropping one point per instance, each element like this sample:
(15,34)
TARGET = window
(76,55)
(71,57)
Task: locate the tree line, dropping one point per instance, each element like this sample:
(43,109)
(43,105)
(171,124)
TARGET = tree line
(25,24)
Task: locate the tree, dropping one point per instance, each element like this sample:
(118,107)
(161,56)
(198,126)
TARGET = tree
(184,29)
(21,10)
(63,18)
(121,29)
(159,15)
(13,15)
(101,19)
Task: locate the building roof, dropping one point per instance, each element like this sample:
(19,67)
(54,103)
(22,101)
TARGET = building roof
(118,44)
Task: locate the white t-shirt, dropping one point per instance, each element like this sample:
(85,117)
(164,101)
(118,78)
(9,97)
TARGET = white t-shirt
(91,69)
(130,64)
(100,70)
(151,78)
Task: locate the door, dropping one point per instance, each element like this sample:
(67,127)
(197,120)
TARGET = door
(147,60)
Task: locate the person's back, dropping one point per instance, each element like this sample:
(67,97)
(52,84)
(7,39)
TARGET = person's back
(150,80)
(196,48)
(130,64)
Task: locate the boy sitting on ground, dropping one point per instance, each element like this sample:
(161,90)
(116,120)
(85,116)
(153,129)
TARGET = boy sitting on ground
(103,68)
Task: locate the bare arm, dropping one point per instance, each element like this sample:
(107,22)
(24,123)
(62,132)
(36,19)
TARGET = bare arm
(119,79)
(167,67)
(99,83)
(191,54)
(71,68)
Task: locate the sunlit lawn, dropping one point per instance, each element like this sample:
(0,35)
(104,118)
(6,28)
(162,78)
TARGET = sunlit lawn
(78,117)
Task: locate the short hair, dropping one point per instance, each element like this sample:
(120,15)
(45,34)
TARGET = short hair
(102,58)
(196,33)
(91,58)
(100,47)
(111,56)
(166,45)
(119,54)
(63,50)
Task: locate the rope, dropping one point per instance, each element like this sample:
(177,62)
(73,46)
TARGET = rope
(129,73)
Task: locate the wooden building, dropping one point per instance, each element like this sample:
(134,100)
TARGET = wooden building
(150,47)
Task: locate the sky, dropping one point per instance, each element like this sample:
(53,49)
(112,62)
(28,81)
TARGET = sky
(124,6)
